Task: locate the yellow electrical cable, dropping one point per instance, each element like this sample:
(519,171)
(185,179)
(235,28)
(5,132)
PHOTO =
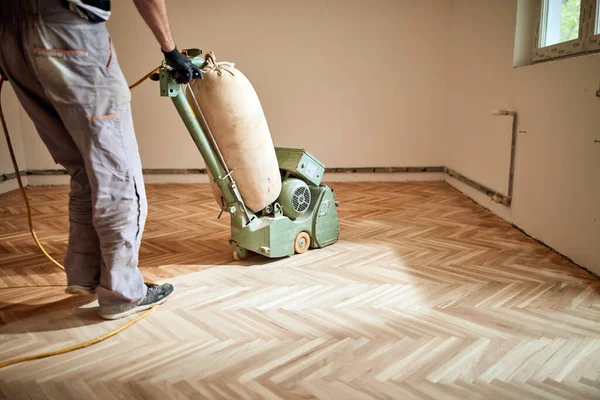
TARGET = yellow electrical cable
(18,175)
(148,75)
(78,346)
(39,245)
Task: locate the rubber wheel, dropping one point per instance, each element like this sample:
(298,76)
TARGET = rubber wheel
(302,243)
(238,257)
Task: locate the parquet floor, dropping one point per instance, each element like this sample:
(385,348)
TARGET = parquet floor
(426,296)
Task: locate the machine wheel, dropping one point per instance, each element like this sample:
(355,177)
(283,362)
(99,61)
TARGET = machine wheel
(302,243)
(240,254)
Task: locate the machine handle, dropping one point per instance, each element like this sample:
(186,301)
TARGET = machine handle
(198,61)
(156,76)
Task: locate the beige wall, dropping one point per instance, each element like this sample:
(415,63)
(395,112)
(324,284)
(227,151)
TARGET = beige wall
(389,83)
(557,181)
(358,83)
(11,109)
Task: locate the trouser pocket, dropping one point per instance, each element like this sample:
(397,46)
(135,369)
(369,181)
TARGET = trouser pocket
(107,133)
(77,65)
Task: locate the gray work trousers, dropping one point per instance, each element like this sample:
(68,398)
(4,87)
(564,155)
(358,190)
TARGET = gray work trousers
(66,75)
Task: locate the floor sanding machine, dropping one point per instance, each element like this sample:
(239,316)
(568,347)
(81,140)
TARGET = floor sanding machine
(303,212)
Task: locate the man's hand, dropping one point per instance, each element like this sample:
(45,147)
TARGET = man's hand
(3,75)
(184,69)
(154,13)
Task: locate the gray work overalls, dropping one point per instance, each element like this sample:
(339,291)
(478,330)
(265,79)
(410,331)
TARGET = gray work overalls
(65,72)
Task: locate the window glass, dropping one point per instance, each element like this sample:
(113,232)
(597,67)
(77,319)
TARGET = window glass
(560,21)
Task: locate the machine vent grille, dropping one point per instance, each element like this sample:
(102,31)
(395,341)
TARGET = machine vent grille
(301,199)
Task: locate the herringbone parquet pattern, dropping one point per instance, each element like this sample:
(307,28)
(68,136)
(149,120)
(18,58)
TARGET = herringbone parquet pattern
(426,296)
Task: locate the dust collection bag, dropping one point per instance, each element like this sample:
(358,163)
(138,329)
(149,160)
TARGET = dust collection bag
(237,121)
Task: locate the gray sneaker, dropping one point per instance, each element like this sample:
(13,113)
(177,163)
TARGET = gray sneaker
(155,295)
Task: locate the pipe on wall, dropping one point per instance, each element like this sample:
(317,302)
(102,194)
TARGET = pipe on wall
(513,151)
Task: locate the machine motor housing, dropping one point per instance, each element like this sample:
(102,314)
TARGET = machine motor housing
(305,208)
(294,198)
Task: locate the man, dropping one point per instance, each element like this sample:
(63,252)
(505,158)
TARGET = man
(59,58)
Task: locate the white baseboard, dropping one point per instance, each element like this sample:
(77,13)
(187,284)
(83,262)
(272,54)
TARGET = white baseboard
(482,199)
(51,180)
(48,180)
(42,180)
(175,178)
(506,214)
(11,184)
(384,177)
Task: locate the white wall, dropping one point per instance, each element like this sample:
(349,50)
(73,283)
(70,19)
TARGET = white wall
(10,107)
(557,183)
(358,83)
(389,83)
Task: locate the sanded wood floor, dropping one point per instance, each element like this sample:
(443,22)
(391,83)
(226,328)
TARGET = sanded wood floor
(426,296)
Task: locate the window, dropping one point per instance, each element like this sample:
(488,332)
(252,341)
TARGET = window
(594,37)
(597,19)
(560,21)
(566,27)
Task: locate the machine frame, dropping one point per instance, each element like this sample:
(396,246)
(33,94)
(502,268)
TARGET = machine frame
(269,232)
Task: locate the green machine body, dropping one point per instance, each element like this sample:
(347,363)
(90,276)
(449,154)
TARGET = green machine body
(305,214)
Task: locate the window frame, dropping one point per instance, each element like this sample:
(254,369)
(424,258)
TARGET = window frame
(593,38)
(587,40)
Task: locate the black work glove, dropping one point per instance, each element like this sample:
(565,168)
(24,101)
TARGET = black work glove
(183,69)
(3,75)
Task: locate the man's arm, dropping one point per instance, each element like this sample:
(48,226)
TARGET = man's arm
(154,13)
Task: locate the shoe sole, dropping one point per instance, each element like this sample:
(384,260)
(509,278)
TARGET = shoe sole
(136,309)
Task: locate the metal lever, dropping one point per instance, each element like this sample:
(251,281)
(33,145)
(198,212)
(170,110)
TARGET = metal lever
(204,124)
(227,176)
